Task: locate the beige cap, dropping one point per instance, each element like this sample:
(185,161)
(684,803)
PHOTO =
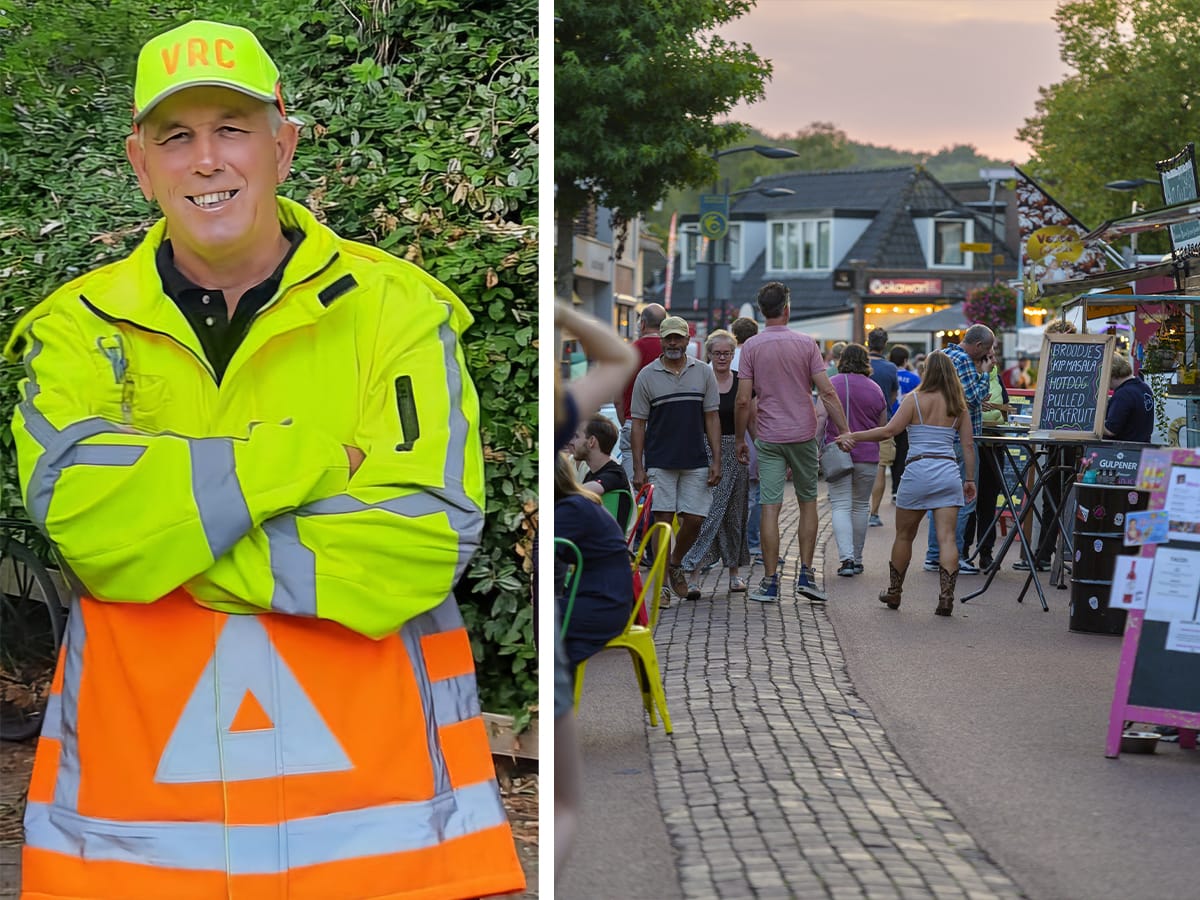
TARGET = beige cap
(673,325)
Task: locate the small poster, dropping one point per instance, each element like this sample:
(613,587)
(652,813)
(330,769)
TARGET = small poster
(1131,582)
(1184,637)
(1183,503)
(1148,527)
(1175,587)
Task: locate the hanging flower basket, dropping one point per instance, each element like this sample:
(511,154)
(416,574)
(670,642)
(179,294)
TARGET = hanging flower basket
(993,305)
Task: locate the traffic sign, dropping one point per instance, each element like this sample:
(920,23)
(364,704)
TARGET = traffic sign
(714,216)
(975,248)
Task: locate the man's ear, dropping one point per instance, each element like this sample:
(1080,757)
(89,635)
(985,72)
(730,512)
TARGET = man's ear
(286,139)
(136,154)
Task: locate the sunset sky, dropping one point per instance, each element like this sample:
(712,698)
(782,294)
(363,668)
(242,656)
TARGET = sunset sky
(912,74)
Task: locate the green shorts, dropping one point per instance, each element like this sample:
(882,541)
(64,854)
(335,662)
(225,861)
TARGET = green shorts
(773,462)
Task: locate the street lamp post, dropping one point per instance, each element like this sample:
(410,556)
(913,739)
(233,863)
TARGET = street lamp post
(1125,186)
(764,150)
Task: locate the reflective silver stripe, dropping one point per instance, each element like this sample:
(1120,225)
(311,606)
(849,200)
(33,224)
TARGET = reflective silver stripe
(411,633)
(293,568)
(52,719)
(456,450)
(255,849)
(102,455)
(203,749)
(32,388)
(56,455)
(443,617)
(455,699)
(220,502)
(66,787)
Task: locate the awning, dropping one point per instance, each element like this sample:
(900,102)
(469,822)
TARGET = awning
(1147,220)
(949,319)
(1106,279)
(834,327)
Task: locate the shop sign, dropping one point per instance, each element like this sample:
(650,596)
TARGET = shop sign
(905,287)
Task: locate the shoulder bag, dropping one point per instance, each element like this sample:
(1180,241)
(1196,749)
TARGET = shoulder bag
(836,463)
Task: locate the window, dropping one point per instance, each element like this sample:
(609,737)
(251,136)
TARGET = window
(800,245)
(947,236)
(727,250)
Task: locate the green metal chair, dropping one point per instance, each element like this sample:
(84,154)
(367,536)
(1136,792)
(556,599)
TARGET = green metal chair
(571,584)
(611,500)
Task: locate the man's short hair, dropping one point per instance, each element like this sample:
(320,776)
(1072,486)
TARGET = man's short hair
(835,352)
(1059,326)
(773,297)
(744,328)
(898,356)
(877,340)
(652,316)
(1120,366)
(603,430)
(979,334)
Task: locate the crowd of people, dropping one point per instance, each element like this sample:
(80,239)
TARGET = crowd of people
(719,438)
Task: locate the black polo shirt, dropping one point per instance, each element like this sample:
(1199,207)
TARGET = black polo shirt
(205,308)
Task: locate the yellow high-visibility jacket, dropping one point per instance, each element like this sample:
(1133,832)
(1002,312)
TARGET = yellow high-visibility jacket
(148,475)
(266,689)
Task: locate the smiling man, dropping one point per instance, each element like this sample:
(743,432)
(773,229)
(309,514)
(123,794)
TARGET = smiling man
(254,444)
(674,406)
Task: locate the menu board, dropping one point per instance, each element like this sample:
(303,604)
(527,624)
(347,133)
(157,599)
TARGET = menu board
(1179,184)
(1072,387)
(1158,675)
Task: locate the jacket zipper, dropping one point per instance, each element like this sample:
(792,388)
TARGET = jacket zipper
(115,320)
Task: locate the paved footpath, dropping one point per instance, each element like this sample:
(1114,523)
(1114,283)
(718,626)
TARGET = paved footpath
(778,780)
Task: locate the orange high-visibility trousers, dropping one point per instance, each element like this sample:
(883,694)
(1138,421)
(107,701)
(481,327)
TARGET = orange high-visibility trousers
(193,754)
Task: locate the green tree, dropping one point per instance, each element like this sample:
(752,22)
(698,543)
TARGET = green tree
(419,136)
(638,87)
(1132,100)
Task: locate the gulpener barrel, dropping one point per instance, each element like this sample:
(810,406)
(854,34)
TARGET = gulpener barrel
(1099,528)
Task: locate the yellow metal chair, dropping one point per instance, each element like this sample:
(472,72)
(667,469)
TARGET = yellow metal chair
(639,639)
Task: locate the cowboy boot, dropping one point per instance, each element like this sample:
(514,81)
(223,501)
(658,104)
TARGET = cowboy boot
(892,595)
(947,581)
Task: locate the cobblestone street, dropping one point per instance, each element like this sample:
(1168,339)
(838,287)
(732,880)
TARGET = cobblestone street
(778,781)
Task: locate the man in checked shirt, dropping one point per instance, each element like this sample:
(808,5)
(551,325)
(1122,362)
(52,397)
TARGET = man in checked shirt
(972,361)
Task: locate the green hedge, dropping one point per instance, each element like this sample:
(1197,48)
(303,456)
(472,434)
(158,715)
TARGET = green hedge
(420,137)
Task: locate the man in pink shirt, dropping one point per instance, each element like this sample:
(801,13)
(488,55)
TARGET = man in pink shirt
(780,367)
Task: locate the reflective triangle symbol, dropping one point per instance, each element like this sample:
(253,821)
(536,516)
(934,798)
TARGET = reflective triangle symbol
(247,718)
(251,716)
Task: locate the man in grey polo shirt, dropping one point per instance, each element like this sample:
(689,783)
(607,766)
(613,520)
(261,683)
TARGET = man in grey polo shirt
(673,407)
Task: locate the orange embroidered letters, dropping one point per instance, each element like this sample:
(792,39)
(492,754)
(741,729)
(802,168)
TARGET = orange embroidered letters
(224,63)
(171,59)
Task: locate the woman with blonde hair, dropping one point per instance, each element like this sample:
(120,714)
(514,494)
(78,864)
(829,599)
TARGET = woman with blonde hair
(723,532)
(933,414)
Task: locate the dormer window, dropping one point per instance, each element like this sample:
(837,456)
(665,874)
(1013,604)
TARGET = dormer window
(948,237)
(800,245)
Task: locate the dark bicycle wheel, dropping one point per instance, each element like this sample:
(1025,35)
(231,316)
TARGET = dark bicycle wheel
(31,630)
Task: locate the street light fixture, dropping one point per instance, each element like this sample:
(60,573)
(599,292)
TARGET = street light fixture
(764,150)
(1128,185)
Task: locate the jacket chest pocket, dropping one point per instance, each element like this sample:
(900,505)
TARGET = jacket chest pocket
(139,400)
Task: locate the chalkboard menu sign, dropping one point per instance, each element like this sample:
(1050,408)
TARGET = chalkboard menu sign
(1072,388)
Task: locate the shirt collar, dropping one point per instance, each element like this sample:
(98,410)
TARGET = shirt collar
(175,283)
